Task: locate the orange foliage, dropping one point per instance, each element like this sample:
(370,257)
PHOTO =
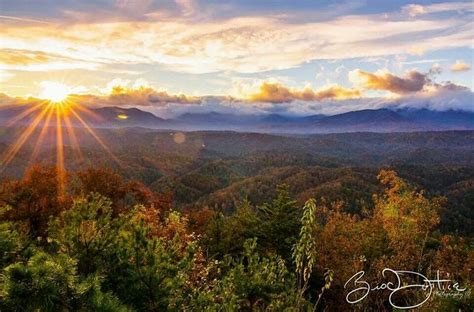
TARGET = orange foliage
(34,199)
(122,193)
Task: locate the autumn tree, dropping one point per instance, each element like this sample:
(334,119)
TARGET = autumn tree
(122,193)
(34,199)
(408,218)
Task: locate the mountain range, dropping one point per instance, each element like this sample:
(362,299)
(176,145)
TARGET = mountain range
(368,120)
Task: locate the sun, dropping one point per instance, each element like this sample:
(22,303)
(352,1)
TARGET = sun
(58,114)
(54,91)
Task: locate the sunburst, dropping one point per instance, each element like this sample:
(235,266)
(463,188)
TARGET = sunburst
(58,110)
(56,92)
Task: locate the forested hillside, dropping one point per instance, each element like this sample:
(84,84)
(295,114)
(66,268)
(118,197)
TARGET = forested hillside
(210,221)
(108,244)
(222,169)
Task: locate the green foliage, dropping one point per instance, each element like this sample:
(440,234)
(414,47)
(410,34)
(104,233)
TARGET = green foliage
(51,283)
(10,240)
(45,281)
(304,252)
(275,225)
(226,235)
(87,231)
(145,271)
(249,283)
(280,222)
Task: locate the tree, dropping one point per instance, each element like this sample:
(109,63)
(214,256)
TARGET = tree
(51,283)
(408,218)
(275,225)
(87,232)
(34,199)
(280,223)
(149,272)
(122,193)
(12,243)
(249,283)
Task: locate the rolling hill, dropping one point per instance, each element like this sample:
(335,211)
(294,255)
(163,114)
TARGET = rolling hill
(368,120)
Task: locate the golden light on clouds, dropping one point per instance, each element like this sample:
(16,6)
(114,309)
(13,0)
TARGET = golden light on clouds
(278,93)
(460,66)
(122,116)
(412,81)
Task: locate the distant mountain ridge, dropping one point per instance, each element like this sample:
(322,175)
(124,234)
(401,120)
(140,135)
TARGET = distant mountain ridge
(125,117)
(367,120)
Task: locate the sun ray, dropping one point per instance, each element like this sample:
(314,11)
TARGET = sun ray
(25,113)
(21,140)
(64,111)
(59,150)
(72,137)
(42,134)
(96,137)
(89,112)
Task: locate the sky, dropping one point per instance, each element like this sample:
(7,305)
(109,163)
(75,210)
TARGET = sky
(289,57)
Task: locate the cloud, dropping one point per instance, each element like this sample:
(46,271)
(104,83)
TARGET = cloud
(30,60)
(413,81)
(188,7)
(23,57)
(275,97)
(414,10)
(123,93)
(21,19)
(278,93)
(137,95)
(436,69)
(136,7)
(4,75)
(439,97)
(424,61)
(244,44)
(450,86)
(460,66)
(148,96)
